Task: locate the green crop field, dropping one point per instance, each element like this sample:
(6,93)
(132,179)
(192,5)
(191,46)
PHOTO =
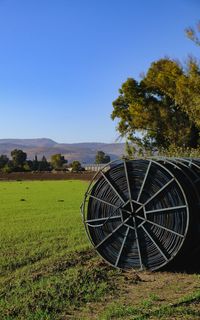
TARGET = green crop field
(48,269)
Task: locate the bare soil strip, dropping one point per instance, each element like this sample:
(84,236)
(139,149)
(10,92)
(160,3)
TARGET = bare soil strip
(17,176)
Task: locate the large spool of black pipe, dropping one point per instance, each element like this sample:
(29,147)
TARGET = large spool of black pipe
(145,213)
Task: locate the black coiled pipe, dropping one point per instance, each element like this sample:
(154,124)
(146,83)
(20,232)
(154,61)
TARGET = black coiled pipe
(144,213)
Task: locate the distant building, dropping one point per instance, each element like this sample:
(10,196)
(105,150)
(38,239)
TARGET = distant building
(95,167)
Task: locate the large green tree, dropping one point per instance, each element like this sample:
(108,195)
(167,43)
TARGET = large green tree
(188,93)
(161,107)
(18,158)
(192,96)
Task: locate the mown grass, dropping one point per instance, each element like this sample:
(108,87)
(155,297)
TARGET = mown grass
(39,220)
(44,251)
(48,270)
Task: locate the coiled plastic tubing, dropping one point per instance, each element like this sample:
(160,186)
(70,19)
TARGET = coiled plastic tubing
(145,213)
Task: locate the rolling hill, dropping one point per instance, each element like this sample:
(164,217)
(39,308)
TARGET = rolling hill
(84,152)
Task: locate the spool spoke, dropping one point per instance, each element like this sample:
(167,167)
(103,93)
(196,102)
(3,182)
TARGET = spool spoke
(159,191)
(138,245)
(161,227)
(103,201)
(128,185)
(101,219)
(122,246)
(166,209)
(136,202)
(109,235)
(157,246)
(143,183)
(111,185)
(131,227)
(111,216)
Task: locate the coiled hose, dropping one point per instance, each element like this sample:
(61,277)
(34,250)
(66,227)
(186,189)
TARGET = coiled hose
(144,213)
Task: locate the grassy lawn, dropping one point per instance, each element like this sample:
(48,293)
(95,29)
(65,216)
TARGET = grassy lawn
(49,271)
(39,220)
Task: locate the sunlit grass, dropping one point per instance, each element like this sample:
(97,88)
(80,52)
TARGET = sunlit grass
(48,270)
(39,220)
(43,249)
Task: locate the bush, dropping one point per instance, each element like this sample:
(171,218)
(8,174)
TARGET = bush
(7,168)
(178,152)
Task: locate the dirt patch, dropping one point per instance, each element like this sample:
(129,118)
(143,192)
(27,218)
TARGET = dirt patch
(13,176)
(149,289)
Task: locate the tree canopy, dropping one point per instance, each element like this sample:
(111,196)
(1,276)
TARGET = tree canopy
(101,157)
(164,107)
(18,157)
(76,166)
(57,160)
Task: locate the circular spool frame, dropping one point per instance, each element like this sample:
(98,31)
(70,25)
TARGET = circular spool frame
(136,214)
(190,168)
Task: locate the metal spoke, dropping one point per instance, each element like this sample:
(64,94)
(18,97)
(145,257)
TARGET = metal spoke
(166,209)
(161,227)
(124,206)
(109,235)
(150,237)
(111,185)
(160,190)
(138,244)
(122,246)
(143,183)
(131,227)
(138,209)
(136,202)
(105,202)
(128,185)
(111,216)
(188,164)
(101,219)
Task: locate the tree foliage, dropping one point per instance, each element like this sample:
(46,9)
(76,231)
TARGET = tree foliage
(3,160)
(101,157)
(76,166)
(192,33)
(18,158)
(57,160)
(35,163)
(163,107)
(8,167)
(43,165)
(20,163)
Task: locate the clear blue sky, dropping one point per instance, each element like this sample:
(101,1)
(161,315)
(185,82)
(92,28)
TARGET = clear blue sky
(63,61)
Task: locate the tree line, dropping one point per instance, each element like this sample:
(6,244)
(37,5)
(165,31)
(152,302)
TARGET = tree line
(20,163)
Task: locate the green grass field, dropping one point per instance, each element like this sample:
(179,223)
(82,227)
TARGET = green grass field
(39,220)
(48,269)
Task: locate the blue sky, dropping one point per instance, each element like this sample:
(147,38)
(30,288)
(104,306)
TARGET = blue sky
(63,61)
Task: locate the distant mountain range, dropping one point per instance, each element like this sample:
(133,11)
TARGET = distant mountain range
(84,152)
